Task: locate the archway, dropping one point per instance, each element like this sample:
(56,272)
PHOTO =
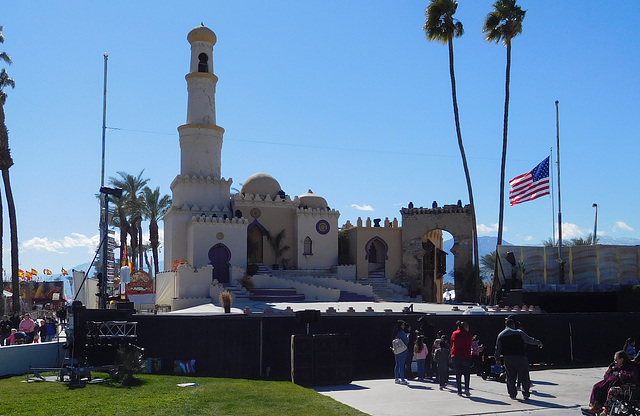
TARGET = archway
(255,242)
(456,219)
(219,256)
(376,256)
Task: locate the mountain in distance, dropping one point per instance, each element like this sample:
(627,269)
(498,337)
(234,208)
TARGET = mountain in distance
(486,245)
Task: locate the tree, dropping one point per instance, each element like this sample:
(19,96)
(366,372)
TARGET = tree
(277,244)
(504,23)
(488,262)
(131,211)
(6,161)
(441,26)
(579,241)
(154,208)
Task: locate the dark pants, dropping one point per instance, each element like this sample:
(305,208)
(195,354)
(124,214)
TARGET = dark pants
(442,374)
(517,368)
(462,367)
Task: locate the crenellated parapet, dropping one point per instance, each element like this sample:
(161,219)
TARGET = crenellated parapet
(241,199)
(369,223)
(211,219)
(317,212)
(206,180)
(435,209)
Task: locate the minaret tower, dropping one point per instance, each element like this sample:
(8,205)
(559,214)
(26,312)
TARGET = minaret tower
(201,138)
(198,190)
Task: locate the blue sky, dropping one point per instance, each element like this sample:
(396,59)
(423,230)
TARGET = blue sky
(345,98)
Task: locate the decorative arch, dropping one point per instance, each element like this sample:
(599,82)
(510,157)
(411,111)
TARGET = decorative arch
(376,254)
(219,257)
(308,246)
(203,62)
(255,242)
(458,221)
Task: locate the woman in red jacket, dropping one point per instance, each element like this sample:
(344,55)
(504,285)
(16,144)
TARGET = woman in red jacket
(461,341)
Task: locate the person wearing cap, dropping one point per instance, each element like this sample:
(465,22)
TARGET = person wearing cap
(511,346)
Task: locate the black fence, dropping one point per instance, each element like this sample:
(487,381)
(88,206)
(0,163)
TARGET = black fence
(260,346)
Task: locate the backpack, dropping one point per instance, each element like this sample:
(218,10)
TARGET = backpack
(398,346)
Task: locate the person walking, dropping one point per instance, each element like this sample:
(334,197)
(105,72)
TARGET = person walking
(461,341)
(511,349)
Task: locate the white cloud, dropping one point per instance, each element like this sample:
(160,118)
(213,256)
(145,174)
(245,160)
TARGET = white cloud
(571,231)
(362,207)
(621,226)
(60,246)
(528,238)
(489,229)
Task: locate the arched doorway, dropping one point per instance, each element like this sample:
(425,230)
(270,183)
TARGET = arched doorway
(376,257)
(219,256)
(457,220)
(255,242)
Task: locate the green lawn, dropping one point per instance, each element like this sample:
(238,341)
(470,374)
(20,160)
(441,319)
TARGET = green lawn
(160,395)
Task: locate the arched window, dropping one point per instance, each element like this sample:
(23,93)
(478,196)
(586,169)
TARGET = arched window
(203,64)
(308,247)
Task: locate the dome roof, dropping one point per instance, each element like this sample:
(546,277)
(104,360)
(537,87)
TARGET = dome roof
(201,33)
(311,200)
(262,184)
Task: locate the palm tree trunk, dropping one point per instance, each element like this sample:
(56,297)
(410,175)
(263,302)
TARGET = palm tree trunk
(13,225)
(496,274)
(1,262)
(133,234)
(154,241)
(140,253)
(474,289)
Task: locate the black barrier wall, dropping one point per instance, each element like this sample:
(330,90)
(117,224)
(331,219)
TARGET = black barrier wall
(258,346)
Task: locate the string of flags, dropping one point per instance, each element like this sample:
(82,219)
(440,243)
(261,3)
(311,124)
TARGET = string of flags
(29,275)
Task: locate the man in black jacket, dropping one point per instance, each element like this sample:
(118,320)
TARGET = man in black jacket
(511,345)
(5,329)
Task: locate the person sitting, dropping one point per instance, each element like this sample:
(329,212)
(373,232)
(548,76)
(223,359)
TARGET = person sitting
(621,371)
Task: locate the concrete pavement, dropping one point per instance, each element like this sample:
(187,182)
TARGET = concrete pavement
(554,392)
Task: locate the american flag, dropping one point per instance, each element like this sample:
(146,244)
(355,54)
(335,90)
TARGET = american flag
(530,185)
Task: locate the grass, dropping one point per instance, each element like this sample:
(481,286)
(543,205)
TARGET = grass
(160,395)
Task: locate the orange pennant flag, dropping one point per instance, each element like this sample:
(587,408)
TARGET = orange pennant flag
(34,272)
(47,272)
(64,272)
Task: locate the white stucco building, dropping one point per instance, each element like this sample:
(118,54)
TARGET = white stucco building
(217,233)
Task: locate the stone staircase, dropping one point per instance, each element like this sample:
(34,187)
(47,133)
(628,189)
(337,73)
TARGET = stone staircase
(346,296)
(276,295)
(381,290)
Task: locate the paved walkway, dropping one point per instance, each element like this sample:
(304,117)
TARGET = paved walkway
(554,392)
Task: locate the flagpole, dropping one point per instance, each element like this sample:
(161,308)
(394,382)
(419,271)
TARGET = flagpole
(553,208)
(560,261)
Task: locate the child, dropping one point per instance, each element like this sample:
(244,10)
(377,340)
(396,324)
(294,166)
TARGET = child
(441,358)
(630,347)
(476,350)
(420,351)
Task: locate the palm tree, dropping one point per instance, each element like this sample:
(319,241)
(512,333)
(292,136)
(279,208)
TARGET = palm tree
(441,26)
(504,23)
(488,262)
(130,212)
(6,161)
(154,208)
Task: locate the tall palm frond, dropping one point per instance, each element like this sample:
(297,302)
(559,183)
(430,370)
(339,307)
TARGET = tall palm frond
(131,210)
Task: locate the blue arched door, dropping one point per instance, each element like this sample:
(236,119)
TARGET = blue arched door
(219,256)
